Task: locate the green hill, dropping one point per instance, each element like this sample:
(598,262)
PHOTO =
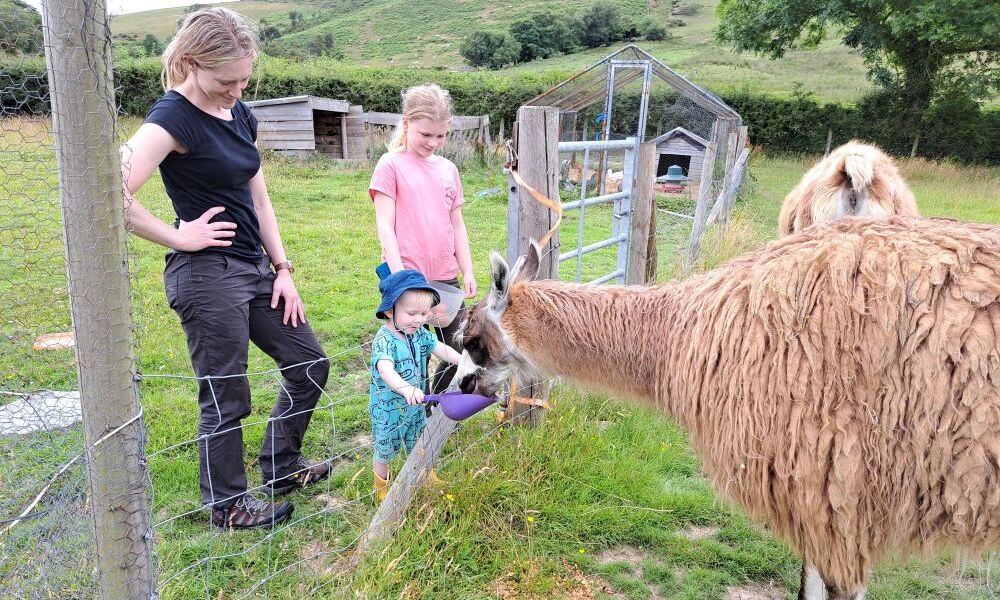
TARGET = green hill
(428,33)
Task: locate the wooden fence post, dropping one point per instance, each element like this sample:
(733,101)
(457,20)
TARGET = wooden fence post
(704,199)
(643,214)
(78,55)
(538,165)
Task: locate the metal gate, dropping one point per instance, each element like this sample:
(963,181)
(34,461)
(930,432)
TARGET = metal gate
(622,201)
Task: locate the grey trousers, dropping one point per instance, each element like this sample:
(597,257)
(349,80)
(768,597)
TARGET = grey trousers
(224,303)
(445,370)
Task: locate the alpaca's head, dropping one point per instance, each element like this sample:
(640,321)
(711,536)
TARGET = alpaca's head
(855,180)
(859,181)
(490,355)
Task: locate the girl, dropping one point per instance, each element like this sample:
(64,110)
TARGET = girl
(418,199)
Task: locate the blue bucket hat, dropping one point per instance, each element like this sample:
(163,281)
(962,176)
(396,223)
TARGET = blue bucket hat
(393,286)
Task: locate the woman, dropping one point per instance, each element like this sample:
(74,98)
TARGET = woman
(218,275)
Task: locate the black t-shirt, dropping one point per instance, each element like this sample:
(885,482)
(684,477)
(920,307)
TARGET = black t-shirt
(216,170)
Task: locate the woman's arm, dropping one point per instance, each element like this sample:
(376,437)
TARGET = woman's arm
(140,156)
(463,253)
(385,222)
(283,287)
(412,393)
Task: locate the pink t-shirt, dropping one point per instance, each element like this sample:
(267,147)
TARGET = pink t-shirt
(426,191)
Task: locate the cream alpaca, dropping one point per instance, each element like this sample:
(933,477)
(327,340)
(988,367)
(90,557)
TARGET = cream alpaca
(841,385)
(856,180)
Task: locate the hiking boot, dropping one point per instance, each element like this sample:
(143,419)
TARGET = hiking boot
(303,475)
(248,512)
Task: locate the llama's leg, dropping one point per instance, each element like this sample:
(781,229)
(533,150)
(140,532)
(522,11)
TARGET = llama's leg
(811,586)
(836,593)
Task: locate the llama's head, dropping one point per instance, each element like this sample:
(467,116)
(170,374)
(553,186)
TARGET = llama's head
(490,355)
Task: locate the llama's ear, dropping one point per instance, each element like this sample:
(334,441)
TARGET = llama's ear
(527,265)
(497,298)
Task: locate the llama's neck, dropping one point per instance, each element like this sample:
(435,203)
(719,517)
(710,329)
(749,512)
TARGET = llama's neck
(599,336)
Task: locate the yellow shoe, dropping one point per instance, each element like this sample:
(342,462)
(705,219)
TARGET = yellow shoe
(433,480)
(381,487)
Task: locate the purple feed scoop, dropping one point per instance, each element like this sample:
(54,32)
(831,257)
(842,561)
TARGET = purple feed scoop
(457,406)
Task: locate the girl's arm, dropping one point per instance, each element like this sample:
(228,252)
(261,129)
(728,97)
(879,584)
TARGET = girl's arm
(447,353)
(283,287)
(412,393)
(385,221)
(140,156)
(463,253)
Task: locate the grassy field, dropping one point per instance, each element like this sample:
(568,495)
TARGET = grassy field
(429,33)
(601,500)
(163,22)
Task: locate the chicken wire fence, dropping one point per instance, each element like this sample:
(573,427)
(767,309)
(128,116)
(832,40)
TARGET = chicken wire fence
(86,500)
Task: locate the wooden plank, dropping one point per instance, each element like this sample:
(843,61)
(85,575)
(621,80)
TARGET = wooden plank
(390,513)
(329,104)
(701,208)
(642,211)
(277,101)
(284,126)
(381,118)
(289,144)
(354,143)
(288,112)
(271,136)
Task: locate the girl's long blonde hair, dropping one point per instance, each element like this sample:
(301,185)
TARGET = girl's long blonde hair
(209,37)
(429,101)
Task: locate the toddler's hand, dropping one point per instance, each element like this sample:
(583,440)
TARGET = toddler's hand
(415,396)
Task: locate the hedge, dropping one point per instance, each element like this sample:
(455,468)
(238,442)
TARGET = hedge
(955,127)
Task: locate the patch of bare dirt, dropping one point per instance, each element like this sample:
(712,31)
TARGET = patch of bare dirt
(626,554)
(571,584)
(756,591)
(487,12)
(699,533)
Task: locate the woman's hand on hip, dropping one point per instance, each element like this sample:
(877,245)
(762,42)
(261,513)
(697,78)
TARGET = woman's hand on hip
(200,234)
(284,288)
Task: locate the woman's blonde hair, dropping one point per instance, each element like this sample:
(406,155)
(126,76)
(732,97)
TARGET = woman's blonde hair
(429,101)
(209,37)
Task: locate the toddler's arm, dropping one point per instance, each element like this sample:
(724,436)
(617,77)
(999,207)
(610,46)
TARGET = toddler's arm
(412,393)
(446,352)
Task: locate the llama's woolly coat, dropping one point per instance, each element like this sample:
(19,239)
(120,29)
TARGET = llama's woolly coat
(841,384)
(854,168)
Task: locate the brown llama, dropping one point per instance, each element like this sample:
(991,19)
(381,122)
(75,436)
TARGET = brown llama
(855,180)
(841,385)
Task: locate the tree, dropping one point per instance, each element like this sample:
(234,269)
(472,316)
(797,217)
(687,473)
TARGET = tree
(151,45)
(543,35)
(478,47)
(601,23)
(21,30)
(911,46)
(488,49)
(506,53)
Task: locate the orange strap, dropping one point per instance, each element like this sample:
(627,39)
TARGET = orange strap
(551,204)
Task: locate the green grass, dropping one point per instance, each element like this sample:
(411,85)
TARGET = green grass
(429,33)
(163,22)
(596,475)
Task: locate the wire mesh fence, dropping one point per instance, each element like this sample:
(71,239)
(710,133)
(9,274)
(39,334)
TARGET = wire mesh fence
(46,531)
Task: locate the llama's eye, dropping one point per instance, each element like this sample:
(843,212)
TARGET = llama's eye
(472,344)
